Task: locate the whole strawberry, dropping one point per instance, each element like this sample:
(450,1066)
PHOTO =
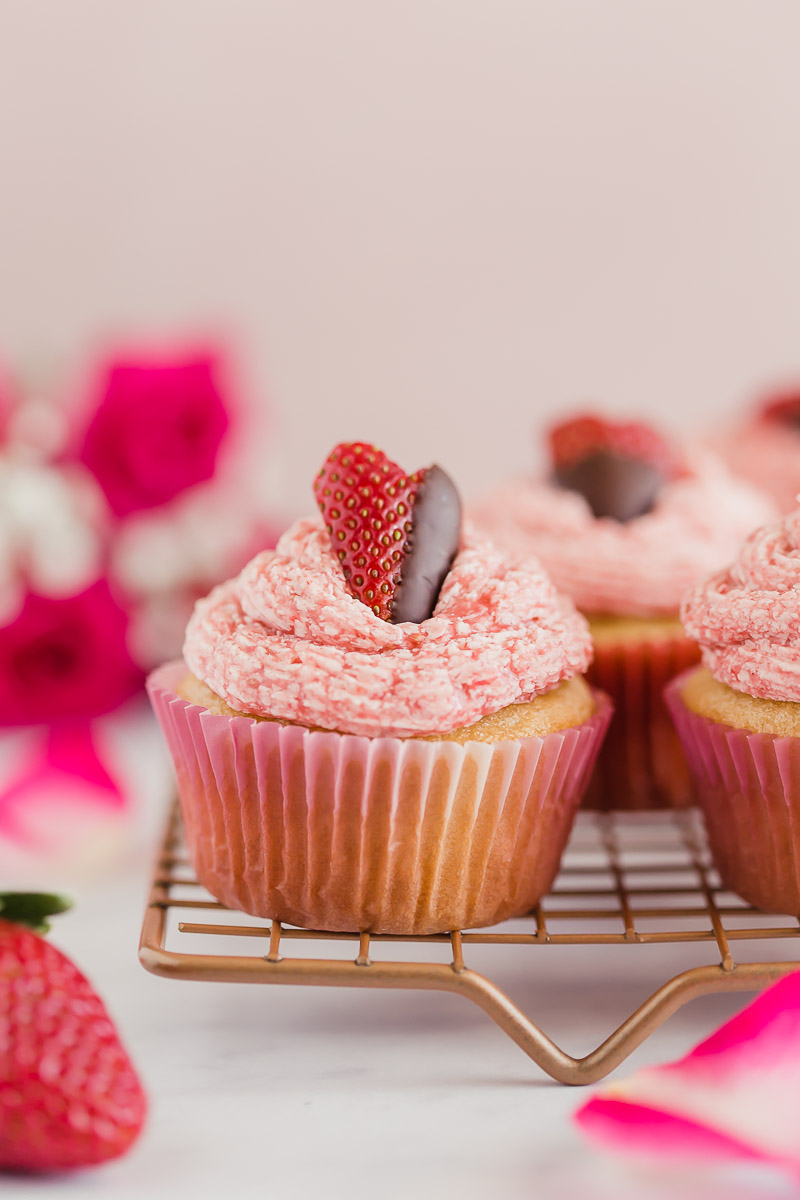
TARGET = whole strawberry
(69,1095)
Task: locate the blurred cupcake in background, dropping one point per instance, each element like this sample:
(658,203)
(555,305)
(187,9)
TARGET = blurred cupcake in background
(626,521)
(383,724)
(738,715)
(765,447)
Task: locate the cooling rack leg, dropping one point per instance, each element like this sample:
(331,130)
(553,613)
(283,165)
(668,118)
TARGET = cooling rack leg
(700,981)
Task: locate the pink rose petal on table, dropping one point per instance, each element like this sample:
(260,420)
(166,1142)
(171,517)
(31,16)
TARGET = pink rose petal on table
(735,1096)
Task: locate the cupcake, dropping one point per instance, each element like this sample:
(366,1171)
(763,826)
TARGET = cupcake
(765,448)
(624,524)
(738,715)
(382,725)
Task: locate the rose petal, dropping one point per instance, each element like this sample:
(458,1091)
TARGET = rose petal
(734,1096)
(628,1126)
(66,770)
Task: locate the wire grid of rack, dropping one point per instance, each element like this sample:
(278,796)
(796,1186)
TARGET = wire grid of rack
(626,879)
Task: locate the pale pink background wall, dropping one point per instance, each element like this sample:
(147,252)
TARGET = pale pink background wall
(431,222)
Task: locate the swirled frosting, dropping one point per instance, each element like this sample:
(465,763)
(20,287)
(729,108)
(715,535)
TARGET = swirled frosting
(747,618)
(637,568)
(286,639)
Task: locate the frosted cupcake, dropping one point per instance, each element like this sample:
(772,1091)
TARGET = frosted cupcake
(738,715)
(765,448)
(625,524)
(381,725)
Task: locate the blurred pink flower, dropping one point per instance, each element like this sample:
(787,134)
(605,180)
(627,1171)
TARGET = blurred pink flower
(733,1097)
(157,430)
(65,657)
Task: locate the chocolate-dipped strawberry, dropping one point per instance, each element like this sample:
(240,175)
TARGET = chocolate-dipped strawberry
(395,534)
(783,409)
(618,467)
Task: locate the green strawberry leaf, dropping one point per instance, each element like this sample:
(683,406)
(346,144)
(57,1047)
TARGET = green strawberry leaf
(32,908)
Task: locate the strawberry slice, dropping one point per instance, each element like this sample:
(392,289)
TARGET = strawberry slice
(395,534)
(366,501)
(783,408)
(581,436)
(619,467)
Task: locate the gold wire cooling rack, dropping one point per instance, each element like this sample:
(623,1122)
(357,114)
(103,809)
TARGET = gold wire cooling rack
(626,879)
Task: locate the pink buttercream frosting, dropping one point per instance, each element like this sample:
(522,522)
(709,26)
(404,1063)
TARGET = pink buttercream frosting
(641,567)
(286,639)
(747,618)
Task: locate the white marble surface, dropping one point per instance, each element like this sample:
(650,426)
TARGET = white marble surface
(283,1092)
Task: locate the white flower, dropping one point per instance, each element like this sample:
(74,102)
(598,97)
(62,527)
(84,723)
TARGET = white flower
(37,430)
(166,558)
(189,543)
(51,521)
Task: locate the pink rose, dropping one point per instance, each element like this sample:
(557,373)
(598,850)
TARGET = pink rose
(65,657)
(157,430)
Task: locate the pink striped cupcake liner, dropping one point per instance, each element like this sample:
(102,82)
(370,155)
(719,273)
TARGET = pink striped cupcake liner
(386,835)
(748,785)
(641,764)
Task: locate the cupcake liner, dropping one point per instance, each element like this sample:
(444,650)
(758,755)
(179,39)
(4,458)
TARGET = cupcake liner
(641,764)
(389,835)
(748,786)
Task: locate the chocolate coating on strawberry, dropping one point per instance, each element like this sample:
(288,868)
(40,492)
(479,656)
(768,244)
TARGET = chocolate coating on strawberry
(613,485)
(389,550)
(618,467)
(783,408)
(433,544)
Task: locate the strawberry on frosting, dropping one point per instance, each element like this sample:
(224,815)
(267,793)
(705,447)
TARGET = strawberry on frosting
(639,567)
(366,501)
(783,408)
(395,534)
(288,639)
(577,438)
(619,467)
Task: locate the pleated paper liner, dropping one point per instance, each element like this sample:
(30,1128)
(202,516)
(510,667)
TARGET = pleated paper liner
(386,835)
(641,764)
(748,785)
